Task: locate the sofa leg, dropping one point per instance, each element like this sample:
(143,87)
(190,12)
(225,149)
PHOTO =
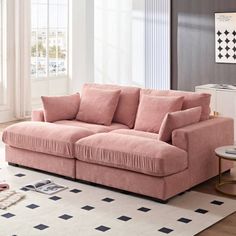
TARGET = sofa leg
(162,201)
(226,172)
(13,164)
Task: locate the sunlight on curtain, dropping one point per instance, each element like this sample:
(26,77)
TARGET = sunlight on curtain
(3,81)
(22,59)
(1,76)
(113,41)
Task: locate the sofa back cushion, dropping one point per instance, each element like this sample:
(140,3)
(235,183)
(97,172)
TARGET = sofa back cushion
(191,99)
(152,110)
(60,107)
(128,103)
(98,105)
(176,120)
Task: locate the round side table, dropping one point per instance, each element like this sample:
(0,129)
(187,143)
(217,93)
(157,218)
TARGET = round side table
(221,154)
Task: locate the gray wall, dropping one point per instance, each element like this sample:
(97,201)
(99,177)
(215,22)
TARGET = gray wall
(193,44)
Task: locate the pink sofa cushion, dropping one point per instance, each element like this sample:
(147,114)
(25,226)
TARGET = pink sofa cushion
(60,107)
(98,105)
(191,99)
(93,127)
(152,110)
(178,119)
(128,103)
(134,153)
(138,133)
(44,137)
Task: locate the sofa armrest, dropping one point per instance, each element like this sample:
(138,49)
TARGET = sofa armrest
(37,115)
(212,133)
(200,141)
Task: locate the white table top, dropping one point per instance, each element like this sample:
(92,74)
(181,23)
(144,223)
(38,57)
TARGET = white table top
(220,151)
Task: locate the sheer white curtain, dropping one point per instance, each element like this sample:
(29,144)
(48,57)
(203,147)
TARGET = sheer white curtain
(112,41)
(132,42)
(22,32)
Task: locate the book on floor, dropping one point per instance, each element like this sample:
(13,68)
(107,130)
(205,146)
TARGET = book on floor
(46,186)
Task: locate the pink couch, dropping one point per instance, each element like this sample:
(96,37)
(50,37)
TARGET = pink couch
(119,156)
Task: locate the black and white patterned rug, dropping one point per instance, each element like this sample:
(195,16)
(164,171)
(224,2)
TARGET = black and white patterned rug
(86,210)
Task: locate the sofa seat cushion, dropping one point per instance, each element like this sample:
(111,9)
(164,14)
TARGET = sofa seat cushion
(148,156)
(43,137)
(93,127)
(138,133)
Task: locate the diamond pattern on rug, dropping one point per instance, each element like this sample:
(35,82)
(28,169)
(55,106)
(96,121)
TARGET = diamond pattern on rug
(107,199)
(20,175)
(184,220)
(55,198)
(32,206)
(215,202)
(93,210)
(41,227)
(75,190)
(65,217)
(144,209)
(124,218)
(8,215)
(201,211)
(165,230)
(102,228)
(87,208)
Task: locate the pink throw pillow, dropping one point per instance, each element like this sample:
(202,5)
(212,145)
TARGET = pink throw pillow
(178,119)
(128,102)
(98,105)
(152,110)
(60,107)
(191,99)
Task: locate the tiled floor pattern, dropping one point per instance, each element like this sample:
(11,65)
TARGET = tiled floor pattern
(84,210)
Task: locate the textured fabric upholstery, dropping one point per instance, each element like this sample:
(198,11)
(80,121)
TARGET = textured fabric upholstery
(178,119)
(191,99)
(44,137)
(128,103)
(98,105)
(138,133)
(152,110)
(37,115)
(60,107)
(92,127)
(134,153)
(199,141)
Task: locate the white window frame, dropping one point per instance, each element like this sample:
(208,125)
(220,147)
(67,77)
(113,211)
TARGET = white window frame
(52,85)
(47,77)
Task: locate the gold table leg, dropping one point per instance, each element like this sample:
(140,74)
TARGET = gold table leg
(223,182)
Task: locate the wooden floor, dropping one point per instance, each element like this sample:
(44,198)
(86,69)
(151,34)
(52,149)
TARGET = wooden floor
(226,227)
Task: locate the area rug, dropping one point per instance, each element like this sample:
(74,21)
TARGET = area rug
(85,210)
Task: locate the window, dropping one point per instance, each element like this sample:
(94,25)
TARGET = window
(49,38)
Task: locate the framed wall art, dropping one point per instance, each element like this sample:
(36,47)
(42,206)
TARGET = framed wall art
(225,37)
